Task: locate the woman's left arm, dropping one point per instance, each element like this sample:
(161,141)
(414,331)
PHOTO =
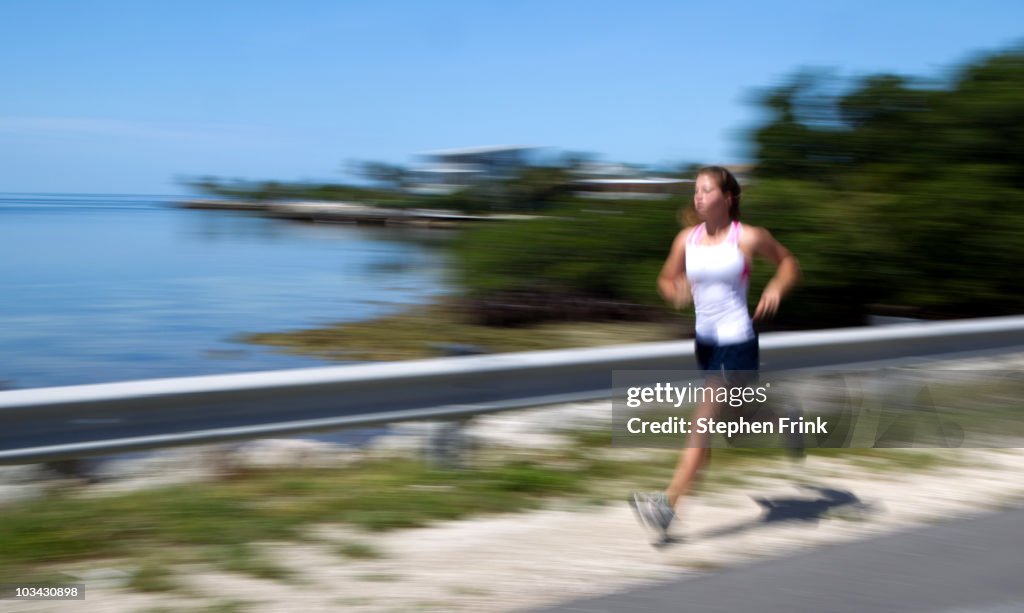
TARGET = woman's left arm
(787,272)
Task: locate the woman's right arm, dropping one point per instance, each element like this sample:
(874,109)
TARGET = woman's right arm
(672,283)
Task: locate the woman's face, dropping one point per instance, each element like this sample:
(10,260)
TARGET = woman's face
(708,198)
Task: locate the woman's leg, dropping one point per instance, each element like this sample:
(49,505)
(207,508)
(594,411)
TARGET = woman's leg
(657,511)
(712,359)
(691,459)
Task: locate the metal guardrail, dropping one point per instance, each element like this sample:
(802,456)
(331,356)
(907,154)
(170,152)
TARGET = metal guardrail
(66,422)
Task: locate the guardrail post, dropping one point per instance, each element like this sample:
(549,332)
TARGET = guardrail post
(72,468)
(447,445)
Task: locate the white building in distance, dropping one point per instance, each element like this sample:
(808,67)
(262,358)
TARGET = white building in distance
(449,170)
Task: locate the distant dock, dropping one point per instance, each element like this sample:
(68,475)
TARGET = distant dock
(222,205)
(346,212)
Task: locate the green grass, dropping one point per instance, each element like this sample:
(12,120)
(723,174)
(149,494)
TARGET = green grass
(245,559)
(221,606)
(591,438)
(893,460)
(352,602)
(468,590)
(154,576)
(417,333)
(359,551)
(380,577)
(218,522)
(225,606)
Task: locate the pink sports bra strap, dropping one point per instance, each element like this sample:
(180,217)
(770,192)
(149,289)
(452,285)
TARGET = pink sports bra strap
(696,235)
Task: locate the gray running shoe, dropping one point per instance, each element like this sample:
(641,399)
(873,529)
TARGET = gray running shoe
(653,510)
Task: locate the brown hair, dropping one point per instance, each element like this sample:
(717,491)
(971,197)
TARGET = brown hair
(727,182)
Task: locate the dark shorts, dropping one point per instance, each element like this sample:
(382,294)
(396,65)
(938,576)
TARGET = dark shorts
(736,366)
(740,356)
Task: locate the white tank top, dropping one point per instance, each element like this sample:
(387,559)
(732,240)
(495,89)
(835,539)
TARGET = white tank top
(719,276)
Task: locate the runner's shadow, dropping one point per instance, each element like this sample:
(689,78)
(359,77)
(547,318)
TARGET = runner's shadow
(777,510)
(786,509)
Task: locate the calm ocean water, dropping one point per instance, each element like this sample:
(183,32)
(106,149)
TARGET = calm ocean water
(113,288)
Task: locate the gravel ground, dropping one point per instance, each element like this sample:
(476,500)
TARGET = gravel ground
(567,551)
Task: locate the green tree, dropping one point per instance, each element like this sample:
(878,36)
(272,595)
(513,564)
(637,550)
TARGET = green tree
(917,187)
(389,176)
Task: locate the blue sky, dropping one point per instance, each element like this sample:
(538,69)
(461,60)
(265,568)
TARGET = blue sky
(127,97)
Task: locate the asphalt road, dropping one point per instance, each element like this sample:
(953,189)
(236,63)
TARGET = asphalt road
(973,565)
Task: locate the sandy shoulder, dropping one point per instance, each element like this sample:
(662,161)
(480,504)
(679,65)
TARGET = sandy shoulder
(519,561)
